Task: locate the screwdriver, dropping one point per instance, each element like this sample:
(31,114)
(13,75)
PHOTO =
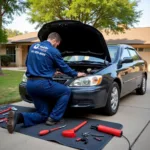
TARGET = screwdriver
(44,132)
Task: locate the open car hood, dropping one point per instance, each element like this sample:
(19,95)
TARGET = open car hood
(77,38)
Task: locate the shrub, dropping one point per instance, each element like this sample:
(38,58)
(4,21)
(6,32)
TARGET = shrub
(5,60)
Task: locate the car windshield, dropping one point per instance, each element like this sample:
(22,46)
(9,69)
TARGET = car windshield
(78,58)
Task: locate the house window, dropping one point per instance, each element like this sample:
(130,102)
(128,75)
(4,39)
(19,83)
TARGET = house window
(136,49)
(141,49)
(10,51)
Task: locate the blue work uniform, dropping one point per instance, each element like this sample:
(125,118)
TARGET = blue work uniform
(42,61)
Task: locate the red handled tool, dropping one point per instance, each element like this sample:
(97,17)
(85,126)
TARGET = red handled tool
(71,132)
(78,139)
(3,120)
(8,109)
(108,130)
(44,132)
(97,138)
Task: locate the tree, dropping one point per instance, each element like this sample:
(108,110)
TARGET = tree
(12,33)
(111,15)
(3,36)
(7,9)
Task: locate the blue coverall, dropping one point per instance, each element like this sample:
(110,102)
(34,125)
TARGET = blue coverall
(42,61)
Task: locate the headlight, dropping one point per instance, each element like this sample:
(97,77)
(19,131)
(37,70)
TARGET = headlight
(24,78)
(87,81)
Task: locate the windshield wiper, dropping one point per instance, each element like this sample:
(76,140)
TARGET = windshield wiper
(88,61)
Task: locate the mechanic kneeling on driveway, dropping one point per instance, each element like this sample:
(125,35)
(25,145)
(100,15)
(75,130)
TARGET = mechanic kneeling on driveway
(42,60)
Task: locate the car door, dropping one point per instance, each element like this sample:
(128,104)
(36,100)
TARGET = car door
(125,72)
(138,66)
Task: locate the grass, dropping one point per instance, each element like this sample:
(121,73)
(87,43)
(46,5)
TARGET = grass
(9,84)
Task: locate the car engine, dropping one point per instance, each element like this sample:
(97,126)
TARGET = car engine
(86,69)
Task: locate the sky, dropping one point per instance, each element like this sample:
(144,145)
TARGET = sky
(22,24)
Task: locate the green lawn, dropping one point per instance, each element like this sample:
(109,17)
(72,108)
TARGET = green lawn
(9,82)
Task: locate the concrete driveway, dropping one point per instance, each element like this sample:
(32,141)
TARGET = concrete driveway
(134,114)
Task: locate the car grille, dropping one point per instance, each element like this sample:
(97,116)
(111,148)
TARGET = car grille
(82,102)
(60,81)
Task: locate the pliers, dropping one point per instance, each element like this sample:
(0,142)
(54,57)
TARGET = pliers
(83,139)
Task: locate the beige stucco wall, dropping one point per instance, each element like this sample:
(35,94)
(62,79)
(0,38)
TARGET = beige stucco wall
(146,56)
(24,53)
(19,56)
(21,53)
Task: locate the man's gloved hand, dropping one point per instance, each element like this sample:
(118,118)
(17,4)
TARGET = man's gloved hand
(81,74)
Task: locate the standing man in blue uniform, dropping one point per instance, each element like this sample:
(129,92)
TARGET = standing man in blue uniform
(42,60)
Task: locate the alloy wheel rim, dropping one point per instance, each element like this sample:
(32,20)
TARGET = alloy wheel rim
(144,84)
(114,98)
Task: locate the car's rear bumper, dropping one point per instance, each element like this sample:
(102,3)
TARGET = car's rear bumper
(83,97)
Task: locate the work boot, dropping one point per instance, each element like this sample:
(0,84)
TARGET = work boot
(13,119)
(51,121)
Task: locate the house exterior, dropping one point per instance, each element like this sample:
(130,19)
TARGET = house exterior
(17,47)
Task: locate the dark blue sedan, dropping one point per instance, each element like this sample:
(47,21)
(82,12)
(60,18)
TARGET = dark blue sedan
(113,70)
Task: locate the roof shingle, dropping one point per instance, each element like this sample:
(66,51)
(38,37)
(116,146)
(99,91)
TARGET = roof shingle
(131,36)
(28,37)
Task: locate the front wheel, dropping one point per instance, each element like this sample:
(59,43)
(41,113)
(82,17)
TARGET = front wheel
(142,89)
(112,100)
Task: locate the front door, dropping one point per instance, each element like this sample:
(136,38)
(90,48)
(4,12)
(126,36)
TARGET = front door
(138,66)
(126,73)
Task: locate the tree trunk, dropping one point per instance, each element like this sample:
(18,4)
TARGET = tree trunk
(1,73)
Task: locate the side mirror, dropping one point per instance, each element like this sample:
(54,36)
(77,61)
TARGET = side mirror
(127,60)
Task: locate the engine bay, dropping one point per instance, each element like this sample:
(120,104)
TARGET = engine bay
(88,69)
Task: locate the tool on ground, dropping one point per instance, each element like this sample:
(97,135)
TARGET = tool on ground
(44,132)
(96,135)
(8,109)
(108,130)
(83,139)
(3,106)
(3,120)
(78,139)
(86,134)
(97,138)
(5,114)
(71,132)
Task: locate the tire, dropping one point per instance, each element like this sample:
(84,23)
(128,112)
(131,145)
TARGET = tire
(142,89)
(111,109)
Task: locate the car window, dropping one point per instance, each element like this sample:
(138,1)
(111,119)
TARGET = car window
(133,54)
(125,53)
(113,51)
